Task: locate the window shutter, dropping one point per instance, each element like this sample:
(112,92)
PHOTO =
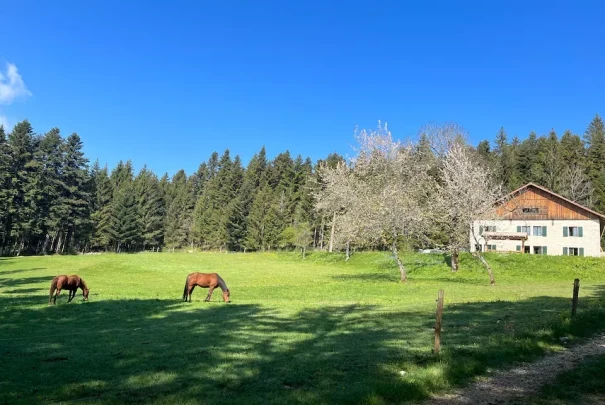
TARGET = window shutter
(565,251)
(543,231)
(580,233)
(581,251)
(480,229)
(544,250)
(565,231)
(519,228)
(518,248)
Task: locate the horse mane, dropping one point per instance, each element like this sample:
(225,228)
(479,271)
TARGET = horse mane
(222,284)
(83,284)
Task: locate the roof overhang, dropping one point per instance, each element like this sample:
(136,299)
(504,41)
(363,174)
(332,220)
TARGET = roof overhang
(505,235)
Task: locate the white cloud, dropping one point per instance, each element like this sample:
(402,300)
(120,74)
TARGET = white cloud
(12,86)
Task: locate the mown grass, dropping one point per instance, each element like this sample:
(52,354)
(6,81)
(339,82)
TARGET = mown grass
(316,331)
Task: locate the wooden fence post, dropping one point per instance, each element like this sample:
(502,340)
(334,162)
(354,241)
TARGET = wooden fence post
(574,300)
(438,322)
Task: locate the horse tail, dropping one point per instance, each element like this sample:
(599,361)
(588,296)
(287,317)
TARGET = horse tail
(185,290)
(53,287)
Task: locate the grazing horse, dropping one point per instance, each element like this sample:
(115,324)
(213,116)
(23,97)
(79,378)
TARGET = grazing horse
(71,283)
(205,280)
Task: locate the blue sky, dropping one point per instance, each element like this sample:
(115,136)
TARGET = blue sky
(167,83)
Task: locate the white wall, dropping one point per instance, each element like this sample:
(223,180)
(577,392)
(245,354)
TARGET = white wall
(554,239)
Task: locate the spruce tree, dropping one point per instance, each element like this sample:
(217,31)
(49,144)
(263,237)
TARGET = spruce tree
(551,162)
(594,137)
(126,219)
(178,215)
(75,194)
(264,222)
(103,225)
(151,208)
(254,177)
(123,173)
(528,165)
(200,178)
(572,149)
(51,208)
(22,191)
(6,204)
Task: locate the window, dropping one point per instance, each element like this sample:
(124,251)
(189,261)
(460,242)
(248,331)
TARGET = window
(574,231)
(531,210)
(526,229)
(537,231)
(573,251)
(490,228)
(478,248)
(491,247)
(540,250)
(527,249)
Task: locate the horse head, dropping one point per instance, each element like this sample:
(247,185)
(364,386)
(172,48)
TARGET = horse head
(85,294)
(226,295)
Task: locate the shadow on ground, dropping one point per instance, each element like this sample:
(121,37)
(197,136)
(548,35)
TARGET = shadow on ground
(166,351)
(17,282)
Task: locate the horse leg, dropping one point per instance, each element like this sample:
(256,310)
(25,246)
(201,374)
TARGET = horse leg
(71,296)
(210,290)
(190,291)
(57,293)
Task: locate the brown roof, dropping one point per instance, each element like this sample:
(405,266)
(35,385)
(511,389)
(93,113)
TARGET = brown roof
(554,194)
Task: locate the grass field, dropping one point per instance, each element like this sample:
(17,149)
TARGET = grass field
(316,331)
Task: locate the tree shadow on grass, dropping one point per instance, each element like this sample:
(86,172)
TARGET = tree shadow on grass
(22,291)
(166,351)
(16,282)
(466,281)
(10,272)
(369,277)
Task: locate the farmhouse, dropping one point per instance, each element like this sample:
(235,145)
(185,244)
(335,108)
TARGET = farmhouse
(534,220)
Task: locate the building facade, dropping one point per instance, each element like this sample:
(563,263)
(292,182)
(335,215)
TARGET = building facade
(534,220)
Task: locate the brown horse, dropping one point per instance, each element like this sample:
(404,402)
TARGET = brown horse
(205,280)
(71,283)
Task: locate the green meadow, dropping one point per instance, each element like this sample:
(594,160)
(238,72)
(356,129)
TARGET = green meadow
(313,331)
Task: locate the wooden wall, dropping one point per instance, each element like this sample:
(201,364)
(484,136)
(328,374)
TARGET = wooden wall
(549,207)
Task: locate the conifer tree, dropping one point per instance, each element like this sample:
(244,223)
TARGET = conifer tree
(254,176)
(178,214)
(22,192)
(260,220)
(551,162)
(6,204)
(103,226)
(125,219)
(75,194)
(151,208)
(51,209)
(199,179)
(594,137)
(572,149)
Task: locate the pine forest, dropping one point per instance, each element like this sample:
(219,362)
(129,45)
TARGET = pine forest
(54,200)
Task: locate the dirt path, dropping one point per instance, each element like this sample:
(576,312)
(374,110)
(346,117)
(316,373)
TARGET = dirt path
(505,386)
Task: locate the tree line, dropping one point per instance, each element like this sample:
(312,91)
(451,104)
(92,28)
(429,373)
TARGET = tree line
(570,165)
(52,200)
